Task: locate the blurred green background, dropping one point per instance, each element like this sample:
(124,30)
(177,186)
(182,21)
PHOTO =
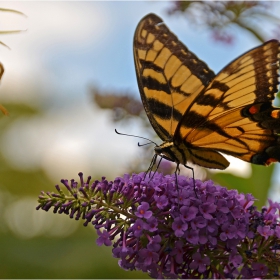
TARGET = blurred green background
(69,81)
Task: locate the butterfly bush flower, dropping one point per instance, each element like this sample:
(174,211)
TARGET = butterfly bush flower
(175,230)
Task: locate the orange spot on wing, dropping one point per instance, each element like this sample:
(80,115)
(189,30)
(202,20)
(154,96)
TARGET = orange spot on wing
(270,160)
(275,114)
(254,109)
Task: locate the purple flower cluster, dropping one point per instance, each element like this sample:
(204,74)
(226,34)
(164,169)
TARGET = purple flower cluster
(171,231)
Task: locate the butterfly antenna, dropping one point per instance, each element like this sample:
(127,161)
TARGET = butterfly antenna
(137,137)
(141,145)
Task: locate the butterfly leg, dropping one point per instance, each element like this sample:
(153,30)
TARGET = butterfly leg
(151,166)
(178,169)
(176,181)
(156,167)
(176,178)
(192,178)
(149,170)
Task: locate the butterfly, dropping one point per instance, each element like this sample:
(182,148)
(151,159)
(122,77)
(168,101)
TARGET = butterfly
(199,115)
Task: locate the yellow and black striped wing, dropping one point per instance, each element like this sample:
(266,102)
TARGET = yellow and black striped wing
(169,76)
(234,114)
(198,114)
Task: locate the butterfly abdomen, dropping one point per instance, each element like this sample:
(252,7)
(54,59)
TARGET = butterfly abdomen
(182,154)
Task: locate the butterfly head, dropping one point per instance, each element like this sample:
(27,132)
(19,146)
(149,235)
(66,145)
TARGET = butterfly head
(169,151)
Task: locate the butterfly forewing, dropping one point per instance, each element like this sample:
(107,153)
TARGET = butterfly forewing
(169,75)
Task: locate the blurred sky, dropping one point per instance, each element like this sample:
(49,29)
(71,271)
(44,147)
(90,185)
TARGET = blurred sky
(67,48)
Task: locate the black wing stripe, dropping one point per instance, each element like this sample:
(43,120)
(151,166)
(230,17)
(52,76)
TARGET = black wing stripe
(153,84)
(162,110)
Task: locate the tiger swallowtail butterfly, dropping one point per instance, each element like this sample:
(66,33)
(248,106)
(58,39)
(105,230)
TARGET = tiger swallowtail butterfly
(198,114)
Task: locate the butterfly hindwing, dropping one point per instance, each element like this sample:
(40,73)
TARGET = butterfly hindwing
(234,113)
(198,114)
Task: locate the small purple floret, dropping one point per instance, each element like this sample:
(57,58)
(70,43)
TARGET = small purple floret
(104,238)
(142,211)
